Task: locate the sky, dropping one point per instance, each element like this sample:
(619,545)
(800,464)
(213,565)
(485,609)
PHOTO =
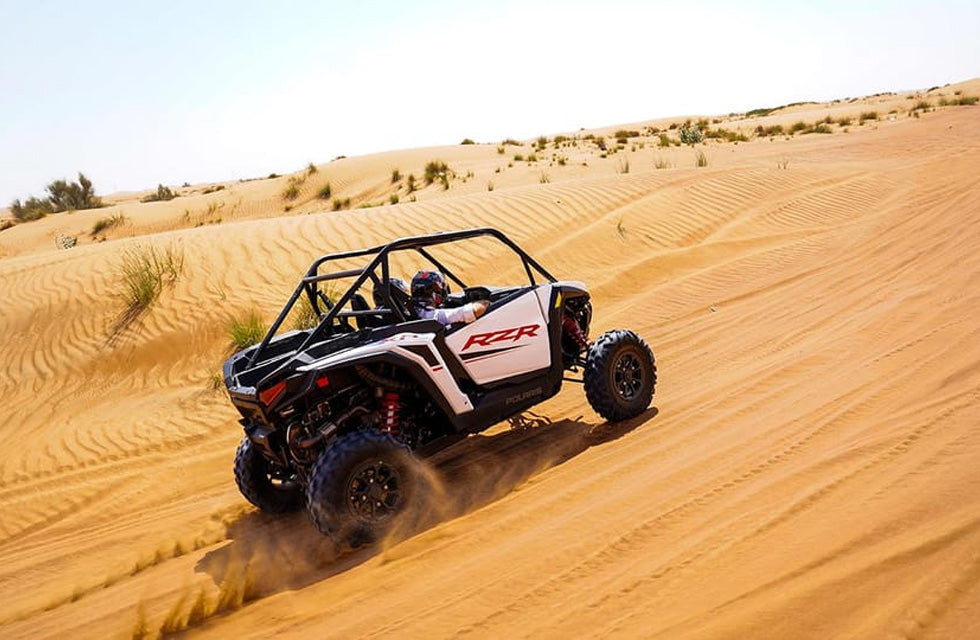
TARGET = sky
(136,93)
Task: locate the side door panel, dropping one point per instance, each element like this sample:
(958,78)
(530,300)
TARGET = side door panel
(507,341)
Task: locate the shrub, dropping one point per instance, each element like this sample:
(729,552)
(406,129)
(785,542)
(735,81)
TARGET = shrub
(844,122)
(532,158)
(600,142)
(820,128)
(623,133)
(799,125)
(490,186)
(62,196)
(325,192)
(396,176)
(271,176)
(311,169)
(661,163)
(868,115)
(966,101)
(339,204)
(467,141)
(518,157)
(162,194)
(245,331)
(436,170)
(104,224)
(664,140)
(511,142)
(217,187)
(691,135)
(393,198)
(500,150)
(146,271)
(542,142)
(700,160)
(544,178)
(410,182)
(291,192)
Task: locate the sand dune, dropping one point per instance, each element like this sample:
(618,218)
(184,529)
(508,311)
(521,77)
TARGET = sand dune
(808,468)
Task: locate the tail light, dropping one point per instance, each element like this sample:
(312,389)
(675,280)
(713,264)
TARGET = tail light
(268,395)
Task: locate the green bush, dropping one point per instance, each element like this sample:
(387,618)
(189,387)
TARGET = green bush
(62,196)
(325,192)
(691,135)
(436,170)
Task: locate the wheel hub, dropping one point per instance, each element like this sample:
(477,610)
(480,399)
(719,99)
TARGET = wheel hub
(373,491)
(628,376)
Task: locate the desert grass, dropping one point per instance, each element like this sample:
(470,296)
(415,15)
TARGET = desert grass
(623,164)
(146,271)
(700,160)
(325,192)
(104,224)
(244,331)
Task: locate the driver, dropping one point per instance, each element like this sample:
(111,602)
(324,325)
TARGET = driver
(429,292)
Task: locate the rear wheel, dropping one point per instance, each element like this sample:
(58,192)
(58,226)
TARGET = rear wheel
(361,487)
(620,375)
(263,483)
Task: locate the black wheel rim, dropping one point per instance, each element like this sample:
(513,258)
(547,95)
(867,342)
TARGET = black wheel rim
(374,491)
(628,376)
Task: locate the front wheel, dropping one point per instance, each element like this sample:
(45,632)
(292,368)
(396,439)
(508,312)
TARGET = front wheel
(361,486)
(620,375)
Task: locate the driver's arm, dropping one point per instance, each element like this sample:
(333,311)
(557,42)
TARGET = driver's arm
(466,313)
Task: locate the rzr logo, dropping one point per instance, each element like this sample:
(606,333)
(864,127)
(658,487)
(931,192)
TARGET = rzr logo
(505,335)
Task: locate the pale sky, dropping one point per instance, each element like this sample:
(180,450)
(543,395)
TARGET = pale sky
(136,93)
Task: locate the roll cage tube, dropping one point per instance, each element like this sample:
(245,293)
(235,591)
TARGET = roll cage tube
(380,258)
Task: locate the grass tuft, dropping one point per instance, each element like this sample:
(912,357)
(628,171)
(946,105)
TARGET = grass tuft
(104,224)
(245,331)
(145,272)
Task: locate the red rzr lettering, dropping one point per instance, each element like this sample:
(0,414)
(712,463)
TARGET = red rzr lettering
(504,335)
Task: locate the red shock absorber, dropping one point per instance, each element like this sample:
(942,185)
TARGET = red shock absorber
(390,413)
(573,331)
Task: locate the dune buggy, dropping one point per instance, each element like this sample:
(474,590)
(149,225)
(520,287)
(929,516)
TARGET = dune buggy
(342,398)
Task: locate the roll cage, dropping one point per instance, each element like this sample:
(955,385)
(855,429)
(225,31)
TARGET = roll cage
(377,270)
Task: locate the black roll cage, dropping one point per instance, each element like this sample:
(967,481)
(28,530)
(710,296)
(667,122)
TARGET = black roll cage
(380,255)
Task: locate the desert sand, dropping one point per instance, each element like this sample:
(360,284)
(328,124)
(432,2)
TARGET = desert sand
(809,468)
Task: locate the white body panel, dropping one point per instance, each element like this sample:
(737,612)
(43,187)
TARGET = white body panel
(506,342)
(439,373)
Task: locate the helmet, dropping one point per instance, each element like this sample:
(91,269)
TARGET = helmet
(397,285)
(429,288)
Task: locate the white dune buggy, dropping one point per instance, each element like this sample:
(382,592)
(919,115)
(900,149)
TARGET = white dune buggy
(338,414)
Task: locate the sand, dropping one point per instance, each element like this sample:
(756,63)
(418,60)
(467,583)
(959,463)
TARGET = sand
(808,468)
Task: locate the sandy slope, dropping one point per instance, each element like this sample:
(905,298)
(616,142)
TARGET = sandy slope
(809,468)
